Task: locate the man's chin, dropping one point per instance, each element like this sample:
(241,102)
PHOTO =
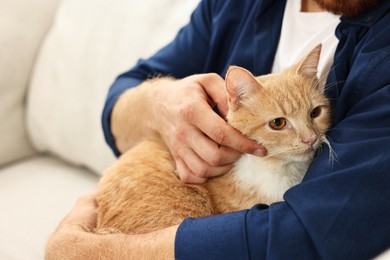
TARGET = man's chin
(348,8)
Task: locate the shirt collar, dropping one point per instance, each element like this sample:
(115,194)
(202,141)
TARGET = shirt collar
(369,18)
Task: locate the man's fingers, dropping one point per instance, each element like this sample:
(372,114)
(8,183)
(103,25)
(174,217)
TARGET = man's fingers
(83,215)
(222,133)
(229,155)
(193,169)
(186,175)
(198,157)
(214,86)
(212,153)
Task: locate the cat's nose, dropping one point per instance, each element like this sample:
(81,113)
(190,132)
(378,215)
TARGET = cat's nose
(310,140)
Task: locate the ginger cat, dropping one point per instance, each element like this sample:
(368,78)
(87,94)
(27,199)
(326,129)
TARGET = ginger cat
(286,112)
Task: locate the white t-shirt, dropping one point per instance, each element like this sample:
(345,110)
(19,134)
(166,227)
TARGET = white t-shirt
(301,32)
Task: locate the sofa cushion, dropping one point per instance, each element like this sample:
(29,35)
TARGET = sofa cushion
(35,194)
(23,24)
(90,43)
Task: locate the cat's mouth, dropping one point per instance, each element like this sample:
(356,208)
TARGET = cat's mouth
(310,152)
(311,149)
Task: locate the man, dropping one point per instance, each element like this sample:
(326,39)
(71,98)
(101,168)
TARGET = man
(340,210)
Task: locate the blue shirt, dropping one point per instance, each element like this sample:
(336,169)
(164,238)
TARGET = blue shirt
(341,210)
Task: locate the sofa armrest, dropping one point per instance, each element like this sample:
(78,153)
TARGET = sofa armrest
(23,24)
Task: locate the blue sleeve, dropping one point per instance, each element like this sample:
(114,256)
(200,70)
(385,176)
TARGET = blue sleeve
(257,233)
(184,56)
(340,211)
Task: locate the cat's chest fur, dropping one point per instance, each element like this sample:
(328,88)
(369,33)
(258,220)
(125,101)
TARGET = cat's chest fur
(254,180)
(270,179)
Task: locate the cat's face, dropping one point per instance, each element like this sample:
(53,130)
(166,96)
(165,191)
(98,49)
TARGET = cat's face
(287,112)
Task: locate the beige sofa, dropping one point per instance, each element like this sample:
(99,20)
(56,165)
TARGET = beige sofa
(57,61)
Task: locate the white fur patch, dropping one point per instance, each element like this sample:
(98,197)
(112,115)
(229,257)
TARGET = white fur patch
(268,178)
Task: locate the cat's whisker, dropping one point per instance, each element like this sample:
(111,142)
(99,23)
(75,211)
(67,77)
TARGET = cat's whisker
(331,69)
(277,152)
(321,79)
(327,86)
(325,75)
(314,79)
(332,153)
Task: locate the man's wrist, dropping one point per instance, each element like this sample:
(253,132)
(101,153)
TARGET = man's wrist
(155,245)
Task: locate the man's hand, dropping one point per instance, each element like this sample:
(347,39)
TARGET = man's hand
(201,142)
(73,239)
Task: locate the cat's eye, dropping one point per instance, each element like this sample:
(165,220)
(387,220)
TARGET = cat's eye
(278,123)
(315,112)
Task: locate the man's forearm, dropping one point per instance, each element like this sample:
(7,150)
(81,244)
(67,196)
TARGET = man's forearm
(133,116)
(73,244)
(156,245)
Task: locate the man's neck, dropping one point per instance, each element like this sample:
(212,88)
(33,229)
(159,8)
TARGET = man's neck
(310,6)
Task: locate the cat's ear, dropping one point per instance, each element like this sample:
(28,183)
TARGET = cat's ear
(309,64)
(239,84)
